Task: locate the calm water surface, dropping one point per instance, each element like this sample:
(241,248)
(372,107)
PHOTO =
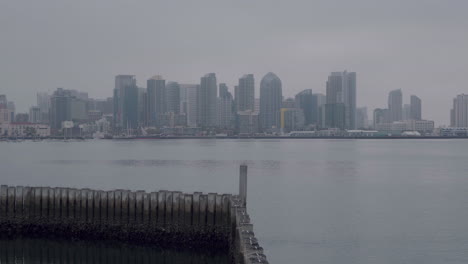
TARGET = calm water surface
(311,201)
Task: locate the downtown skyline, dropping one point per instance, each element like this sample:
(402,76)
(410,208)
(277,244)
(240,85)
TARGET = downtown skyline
(378,103)
(43,47)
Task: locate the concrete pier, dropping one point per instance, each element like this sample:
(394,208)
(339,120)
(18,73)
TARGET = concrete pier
(212,222)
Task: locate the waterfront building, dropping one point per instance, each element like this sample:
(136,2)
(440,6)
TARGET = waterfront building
(421,126)
(125,101)
(454,132)
(416,108)
(207,101)
(305,101)
(271,96)
(35,114)
(395,105)
(245,93)
(156,99)
(248,123)
(459,112)
(25,129)
(173,97)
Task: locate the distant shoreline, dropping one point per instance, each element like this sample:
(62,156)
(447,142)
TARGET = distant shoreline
(222,137)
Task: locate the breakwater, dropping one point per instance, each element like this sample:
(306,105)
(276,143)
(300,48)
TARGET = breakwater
(167,219)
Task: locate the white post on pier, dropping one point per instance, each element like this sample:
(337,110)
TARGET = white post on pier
(243,184)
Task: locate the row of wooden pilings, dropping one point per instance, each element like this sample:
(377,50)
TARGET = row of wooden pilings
(205,214)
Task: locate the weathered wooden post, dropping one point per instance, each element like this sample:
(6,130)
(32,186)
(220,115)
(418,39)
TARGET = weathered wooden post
(243,184)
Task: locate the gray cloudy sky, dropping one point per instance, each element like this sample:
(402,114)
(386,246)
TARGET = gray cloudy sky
(418,46)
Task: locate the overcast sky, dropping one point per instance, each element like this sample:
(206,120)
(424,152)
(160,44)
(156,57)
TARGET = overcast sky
(418,46)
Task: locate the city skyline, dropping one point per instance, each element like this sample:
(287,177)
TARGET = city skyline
(142,82)
(298,41)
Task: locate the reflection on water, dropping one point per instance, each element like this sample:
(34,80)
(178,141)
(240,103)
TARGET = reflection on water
(67,252)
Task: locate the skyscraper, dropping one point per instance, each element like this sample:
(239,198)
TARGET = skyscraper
(125,86)
(189,99)
(156,99)
(459,113)
(60,109)
(271,97)
(245,93)
(335,107)
(43,102)
(305,101)
(225,108)
(340,110)
(173,97)
(207,101)
(395,105)
(416,109)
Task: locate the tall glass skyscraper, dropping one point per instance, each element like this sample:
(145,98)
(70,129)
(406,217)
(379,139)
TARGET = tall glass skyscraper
(207,101)
(245,93)
(395,105)
(156,99)
(271,97)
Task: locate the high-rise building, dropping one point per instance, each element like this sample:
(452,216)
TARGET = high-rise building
(305,101)
(271,97)
(406,113)
(395,105)
(125,102)
(142,107)
(248,122)
(245,93)
(173,97)
(362,118)
(130,109)
(380,116)
(60,109)
(291,119)
(288,103)
(156,99)
(319,101)
(340,110)
(416,110)
(207,101)
(225,108)
(12,108)
(3,101)
(223,90)
(189,105)
(43,102)
(459,113)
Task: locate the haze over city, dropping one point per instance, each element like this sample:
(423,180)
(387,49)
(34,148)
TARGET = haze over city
(414,46)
